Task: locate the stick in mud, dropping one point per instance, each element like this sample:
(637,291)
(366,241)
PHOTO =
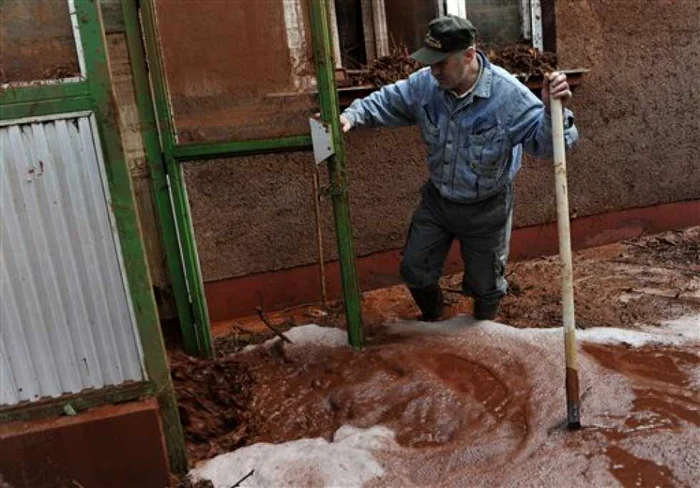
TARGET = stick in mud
(238,483)
(272,327)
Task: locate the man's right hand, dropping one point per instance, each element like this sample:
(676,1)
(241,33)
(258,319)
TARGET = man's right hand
(345,124)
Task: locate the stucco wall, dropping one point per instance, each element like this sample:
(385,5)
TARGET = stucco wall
(255,214)
(640,137)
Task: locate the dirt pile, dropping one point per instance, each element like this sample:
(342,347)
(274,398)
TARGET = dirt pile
(388,69)
(213,397)
(523,59)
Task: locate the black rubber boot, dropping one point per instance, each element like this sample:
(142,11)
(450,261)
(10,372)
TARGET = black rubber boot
(484,310)
(429,300)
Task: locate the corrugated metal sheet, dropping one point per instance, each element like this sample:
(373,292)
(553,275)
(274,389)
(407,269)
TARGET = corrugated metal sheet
(66,321)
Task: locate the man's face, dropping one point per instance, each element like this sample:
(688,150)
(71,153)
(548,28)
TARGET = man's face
(452,70)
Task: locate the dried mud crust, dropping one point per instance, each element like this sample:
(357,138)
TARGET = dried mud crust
(642,281)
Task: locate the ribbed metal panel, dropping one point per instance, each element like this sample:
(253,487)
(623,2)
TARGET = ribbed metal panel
(66,321)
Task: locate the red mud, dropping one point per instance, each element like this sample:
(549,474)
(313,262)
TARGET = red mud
(439,395)
(429,395)
(620,285)
(665,401)
(641,281)
(436,393)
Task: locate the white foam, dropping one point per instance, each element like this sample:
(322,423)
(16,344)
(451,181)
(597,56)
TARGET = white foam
(310,334)
(673,333)
(684,330)
(347,461)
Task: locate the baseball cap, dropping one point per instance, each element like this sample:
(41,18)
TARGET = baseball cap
(446,35)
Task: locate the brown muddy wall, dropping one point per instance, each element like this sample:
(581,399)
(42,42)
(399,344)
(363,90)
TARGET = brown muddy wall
(638,108)
(640,139)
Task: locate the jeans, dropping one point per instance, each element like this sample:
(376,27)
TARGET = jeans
(483,230)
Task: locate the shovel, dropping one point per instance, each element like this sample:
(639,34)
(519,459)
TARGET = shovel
(573,405)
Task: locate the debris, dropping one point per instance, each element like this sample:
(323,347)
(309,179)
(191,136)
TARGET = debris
(316,313)
(621,285)
(213,397)
(679,248)
(272,327)
(69,410)
(238,483)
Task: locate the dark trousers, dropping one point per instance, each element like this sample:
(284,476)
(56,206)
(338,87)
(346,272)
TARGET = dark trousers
(483,230)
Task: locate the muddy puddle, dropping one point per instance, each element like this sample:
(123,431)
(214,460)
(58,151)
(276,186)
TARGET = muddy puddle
(482,404)
(426,391)
(479,403)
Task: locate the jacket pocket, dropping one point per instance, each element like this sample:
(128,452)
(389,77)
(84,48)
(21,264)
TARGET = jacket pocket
(487,154)
(429,127)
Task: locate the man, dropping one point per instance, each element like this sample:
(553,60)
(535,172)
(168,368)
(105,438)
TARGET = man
(476,120)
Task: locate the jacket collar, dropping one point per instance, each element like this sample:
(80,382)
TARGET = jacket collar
(483,87)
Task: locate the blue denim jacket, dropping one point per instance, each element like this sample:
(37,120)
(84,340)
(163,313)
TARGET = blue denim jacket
(475,144)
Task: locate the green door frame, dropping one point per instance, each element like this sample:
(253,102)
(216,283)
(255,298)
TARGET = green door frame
(181,248)
(93,92)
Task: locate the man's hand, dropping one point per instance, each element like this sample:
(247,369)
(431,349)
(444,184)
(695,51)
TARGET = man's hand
(556,84)
(345,124)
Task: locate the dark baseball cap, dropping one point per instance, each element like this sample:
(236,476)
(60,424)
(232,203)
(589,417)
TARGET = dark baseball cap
(446,35)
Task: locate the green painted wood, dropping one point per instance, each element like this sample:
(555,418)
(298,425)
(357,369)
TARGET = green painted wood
(183,217)
(159,183)
(46,107)
(55,407)
(183,220)
(124,209)
(330,113)
(38,92)
(189,152)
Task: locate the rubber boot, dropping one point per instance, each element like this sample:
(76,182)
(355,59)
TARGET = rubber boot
(429,300)
(485,310)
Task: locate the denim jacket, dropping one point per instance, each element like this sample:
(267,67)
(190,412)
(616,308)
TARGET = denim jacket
(475,144)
